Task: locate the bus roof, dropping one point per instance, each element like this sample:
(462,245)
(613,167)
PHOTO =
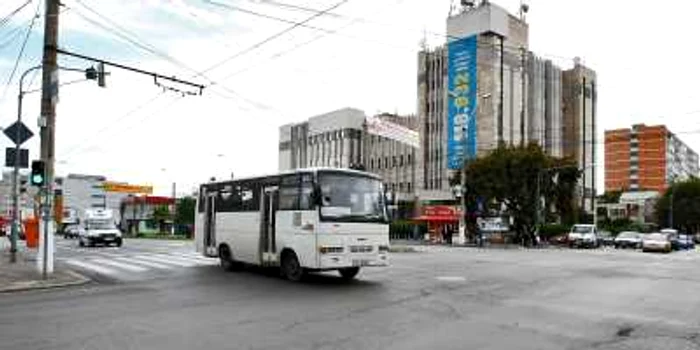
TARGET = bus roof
(303,170)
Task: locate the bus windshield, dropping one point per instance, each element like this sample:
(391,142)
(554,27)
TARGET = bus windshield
(351,198)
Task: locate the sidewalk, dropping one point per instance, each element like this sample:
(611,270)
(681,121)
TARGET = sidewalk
(23,275)
(421,245)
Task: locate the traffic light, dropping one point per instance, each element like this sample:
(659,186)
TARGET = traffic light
(101,75)
(97,74)
(38,173)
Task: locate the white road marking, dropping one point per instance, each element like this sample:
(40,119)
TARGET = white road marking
(129,267)
(165,260)
(136,260)
(99,269)
(451,278)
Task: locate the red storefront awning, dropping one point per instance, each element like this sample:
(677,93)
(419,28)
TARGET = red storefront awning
(439,213)
(435,218)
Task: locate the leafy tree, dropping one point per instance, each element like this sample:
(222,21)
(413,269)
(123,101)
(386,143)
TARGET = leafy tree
(513,176)
(686,206)
(185,211)
(161,214)
(610,197)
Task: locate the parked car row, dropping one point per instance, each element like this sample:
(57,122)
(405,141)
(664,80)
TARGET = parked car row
(667,240)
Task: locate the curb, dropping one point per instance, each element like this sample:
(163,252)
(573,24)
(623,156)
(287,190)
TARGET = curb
(41,285)
(403,249)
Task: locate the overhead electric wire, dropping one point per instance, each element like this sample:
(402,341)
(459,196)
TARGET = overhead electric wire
(365,20)
(8,17)
(274,36)
(21,52)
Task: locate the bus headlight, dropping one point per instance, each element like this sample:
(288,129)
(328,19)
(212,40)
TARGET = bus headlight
(329,250)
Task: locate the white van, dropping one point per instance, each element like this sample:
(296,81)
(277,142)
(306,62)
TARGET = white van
(99,227)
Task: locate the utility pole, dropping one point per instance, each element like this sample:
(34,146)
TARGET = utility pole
(670,212)
(47,122)
(172,227)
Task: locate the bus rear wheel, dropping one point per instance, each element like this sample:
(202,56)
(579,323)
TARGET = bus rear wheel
(291,268)
(349,273)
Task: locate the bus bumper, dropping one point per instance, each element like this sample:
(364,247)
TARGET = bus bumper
(333,261)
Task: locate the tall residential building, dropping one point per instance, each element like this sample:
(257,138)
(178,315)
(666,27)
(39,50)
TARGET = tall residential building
(646,158)
(580,123)
(341,138)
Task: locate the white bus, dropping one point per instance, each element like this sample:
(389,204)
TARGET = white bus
(306,220)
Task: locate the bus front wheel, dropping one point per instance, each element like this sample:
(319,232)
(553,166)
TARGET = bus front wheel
(226,258)
(291,268)
(349,273)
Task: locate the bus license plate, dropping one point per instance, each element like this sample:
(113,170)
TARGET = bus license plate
(361,262)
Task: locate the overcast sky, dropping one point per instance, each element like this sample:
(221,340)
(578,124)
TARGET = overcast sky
(361,55)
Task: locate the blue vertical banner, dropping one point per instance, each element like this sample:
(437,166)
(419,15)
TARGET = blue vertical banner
(461,101)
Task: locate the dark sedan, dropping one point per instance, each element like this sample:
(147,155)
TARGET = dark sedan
(685,242)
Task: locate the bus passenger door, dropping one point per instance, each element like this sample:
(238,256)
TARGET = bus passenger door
(210,225)
(268,240)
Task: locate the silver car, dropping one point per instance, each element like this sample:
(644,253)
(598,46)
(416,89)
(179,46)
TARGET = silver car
(657,242)
(628,239)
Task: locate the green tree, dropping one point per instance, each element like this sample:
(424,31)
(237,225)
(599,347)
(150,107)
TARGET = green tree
(686,206)
(610,196)
(514,176)
(161,214)
(185,211)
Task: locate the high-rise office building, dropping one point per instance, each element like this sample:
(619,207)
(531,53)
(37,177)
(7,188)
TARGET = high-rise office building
(519,97)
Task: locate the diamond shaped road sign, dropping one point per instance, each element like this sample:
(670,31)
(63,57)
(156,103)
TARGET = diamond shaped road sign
(18,132)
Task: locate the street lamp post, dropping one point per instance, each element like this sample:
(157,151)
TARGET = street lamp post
(15,174)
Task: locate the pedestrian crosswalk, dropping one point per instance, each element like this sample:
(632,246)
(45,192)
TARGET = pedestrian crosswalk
(132,265)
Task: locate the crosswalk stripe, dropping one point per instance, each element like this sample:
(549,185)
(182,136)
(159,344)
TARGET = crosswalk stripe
(167,261)
(96,268)
(183,259)
(133,268)
(137,260)
(198,259)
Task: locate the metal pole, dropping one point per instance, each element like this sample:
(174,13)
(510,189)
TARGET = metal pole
(172,227)
(15,184)
(670,213)
(49,93)
(15,174)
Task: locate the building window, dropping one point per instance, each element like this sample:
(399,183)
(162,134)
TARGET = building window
(401,160)
(409,159)
(393,161)
(408,187)
(400,186)
(386,162)
(371,163)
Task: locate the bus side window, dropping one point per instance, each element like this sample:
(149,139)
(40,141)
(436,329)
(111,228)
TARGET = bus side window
(306,193)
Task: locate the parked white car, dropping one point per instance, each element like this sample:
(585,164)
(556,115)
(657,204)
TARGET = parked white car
(584,235)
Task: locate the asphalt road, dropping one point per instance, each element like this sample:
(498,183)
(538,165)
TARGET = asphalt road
(438,299)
